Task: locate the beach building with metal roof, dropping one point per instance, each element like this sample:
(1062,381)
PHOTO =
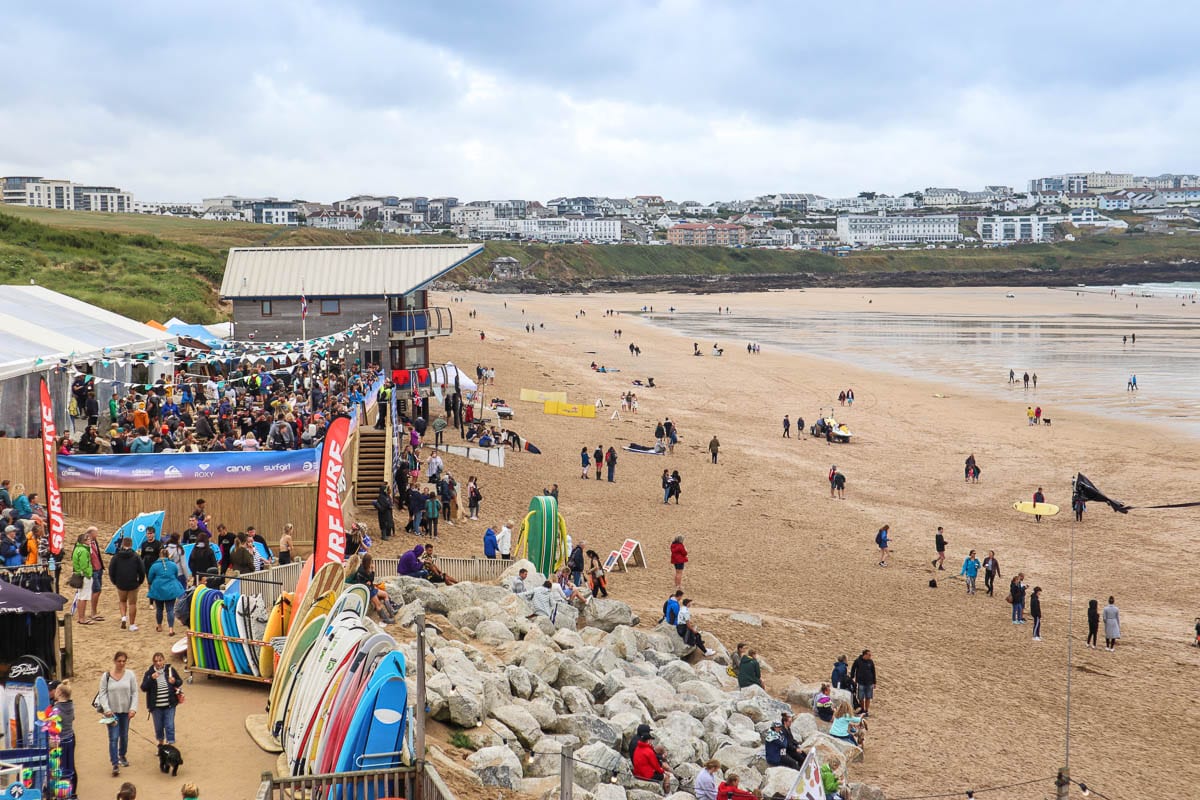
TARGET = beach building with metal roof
(295,293)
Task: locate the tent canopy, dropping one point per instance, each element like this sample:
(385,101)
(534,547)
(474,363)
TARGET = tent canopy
(41,327)
(446,374)
(15,600)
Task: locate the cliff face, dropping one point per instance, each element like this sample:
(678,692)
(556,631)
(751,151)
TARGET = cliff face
(708,284)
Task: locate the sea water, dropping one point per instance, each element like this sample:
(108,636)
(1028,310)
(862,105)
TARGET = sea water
(1080,358)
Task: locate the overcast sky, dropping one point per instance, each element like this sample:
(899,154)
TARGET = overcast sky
(687,99)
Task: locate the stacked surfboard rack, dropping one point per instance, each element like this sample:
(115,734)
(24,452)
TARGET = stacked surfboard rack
(339,702)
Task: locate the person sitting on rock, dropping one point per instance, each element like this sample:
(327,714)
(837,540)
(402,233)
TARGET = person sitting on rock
(791,748)
(686,628)
(822,704)
(410,563)
(847,727)
(776,744)
(749,673)
(729,789)
(435,574)
(648,766)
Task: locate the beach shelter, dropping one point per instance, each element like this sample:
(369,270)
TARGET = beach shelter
(447,373)
(543,536)
(136,529)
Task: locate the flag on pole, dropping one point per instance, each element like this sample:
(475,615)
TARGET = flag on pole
(809,785)
(303,306)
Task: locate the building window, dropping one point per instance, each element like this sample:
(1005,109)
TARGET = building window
(266,308)
(330,307)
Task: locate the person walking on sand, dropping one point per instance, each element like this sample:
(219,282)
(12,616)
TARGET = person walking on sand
(839,485)
(162,686)
(660,434)
(1016,595)
(1012,376)
(939,544)
(1029,414)
(610,461)
(881,541)
(585,462)
(787,427)
(991,571)
(679,557)
(714,446)
(1038,497)
(598,459)
(1112,625)
(676,484)
(1078,506)
(969,468)
(117,701)
(1035,380)
(970,569)
(862,672)
(1037,415)
(1026,378)
(1035,611)
(1093,620)
(832,474)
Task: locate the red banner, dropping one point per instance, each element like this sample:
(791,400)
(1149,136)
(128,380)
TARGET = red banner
(54,510)
(331,532)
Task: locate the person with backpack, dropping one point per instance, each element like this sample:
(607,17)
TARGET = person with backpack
(281,437)
(383,508)
(474,496)
(166,588)
(610,460)
(598,459)
(202,560)
(671,608)
(127,573)
(882,542)
(575,563)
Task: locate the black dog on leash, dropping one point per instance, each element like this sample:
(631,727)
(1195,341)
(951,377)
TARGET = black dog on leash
(169,759)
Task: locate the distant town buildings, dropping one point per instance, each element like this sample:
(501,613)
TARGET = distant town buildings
(1015,229)
(39,192)
(700,234)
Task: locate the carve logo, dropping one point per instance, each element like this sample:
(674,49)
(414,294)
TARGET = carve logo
(238,468)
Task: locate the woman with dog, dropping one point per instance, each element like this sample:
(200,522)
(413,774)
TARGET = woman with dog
(162,683)
(117,701)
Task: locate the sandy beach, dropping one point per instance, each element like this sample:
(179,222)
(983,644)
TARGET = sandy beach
(965,699)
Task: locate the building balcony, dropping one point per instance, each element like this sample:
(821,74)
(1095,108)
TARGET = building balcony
(421,323)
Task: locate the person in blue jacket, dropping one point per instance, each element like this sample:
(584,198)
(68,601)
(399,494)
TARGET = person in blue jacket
(10,551)
(489,543)
(840,677)
(585,462)
(165,589)
(970,568)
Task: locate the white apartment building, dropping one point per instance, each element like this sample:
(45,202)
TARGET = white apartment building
(864,205)
(549,229)
(1012,229)
(1109,181)
(934,196)
(880,229)
(1114,202)
(61,194)
(471,215)
(335,220)
(169,209)
(1081,200)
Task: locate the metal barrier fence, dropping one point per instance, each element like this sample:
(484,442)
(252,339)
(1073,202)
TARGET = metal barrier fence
(463,569)
(273,581)
(385,783)
(413,783)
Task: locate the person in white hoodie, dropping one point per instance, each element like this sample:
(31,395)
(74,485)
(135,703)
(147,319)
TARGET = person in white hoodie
(504,541)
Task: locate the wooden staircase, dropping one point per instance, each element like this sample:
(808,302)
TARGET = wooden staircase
(371,467)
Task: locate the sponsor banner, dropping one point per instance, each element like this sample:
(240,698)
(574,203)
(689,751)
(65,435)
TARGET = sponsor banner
(54,509)
(569,409)
(190,470)
(536,396)
(330,528)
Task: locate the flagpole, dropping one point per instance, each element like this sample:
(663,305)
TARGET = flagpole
(1064,775)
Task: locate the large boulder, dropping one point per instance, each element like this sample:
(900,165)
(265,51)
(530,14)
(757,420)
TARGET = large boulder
(455,665)
(543,663)
(741,760)
(681,796)
(534,578)
(545,713)
(608,614)
(702,692)
(496,766)
(595,762)
(577,700)
(465,708)
(778,781)
(801,694)
(624,642)
(598,659)
(546,760)
(609,791)
(760,706)
(567,640)
(467,618)
(442,600)
(520,681)
(493,631)
(572,673)
(658,696)
(803,726)
(865,791)
(677,672)
(665,638)
(589,728)
(715,674)
(520,722)
(847,752)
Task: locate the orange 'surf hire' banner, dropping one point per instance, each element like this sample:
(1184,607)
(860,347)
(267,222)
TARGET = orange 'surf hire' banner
(54,510)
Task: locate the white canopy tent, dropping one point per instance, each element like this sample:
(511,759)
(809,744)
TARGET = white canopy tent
(45,331)
(446,374)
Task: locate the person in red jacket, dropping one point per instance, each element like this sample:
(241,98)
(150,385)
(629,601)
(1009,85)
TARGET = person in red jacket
(678,559)
(647,766)
(729,790)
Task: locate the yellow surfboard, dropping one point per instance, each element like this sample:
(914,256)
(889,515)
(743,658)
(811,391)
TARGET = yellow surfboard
(1030,507)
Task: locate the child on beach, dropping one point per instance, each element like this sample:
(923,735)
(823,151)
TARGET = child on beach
(585,463)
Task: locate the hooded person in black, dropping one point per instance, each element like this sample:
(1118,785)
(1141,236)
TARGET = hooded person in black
(127,573)
(151,547)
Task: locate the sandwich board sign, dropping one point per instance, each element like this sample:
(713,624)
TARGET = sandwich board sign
(630,555)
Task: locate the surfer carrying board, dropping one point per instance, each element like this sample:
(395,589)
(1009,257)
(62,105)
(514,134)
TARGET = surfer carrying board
(1038,498)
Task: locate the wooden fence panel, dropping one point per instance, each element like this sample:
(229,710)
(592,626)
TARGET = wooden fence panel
(21,462)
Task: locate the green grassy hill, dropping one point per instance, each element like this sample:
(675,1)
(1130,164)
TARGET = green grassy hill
(149,267)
